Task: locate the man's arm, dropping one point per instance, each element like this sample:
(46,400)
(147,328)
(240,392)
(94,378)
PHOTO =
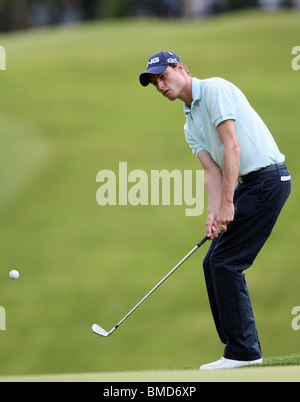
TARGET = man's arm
(231,167)
(220,187)
(213,184)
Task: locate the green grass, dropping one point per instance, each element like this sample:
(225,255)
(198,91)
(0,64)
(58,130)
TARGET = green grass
(291,360)
(285,369)
(71,105)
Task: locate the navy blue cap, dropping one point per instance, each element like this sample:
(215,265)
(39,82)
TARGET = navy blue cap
(157,63)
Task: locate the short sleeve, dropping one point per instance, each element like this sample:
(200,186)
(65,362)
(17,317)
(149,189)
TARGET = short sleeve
(219,101)
(195,144)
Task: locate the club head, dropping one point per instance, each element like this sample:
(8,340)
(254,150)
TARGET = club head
(99,331)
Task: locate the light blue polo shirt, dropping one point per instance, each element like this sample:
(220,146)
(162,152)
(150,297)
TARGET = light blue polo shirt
(216,100)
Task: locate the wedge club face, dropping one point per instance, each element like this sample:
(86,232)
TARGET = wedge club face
(100,331)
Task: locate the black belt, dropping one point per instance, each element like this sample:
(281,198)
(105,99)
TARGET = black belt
(254,175)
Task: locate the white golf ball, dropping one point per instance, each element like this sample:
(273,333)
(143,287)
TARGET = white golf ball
(14,274)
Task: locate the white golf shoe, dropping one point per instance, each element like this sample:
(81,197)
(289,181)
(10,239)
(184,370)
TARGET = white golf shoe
(224,363)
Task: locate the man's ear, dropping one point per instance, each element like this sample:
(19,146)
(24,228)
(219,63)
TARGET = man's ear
(180,68)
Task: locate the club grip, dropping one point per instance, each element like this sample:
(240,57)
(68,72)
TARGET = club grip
(202,241)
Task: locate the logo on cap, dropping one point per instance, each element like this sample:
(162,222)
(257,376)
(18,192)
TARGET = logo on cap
(154,60)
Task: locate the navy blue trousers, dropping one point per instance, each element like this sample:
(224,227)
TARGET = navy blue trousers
(258,203)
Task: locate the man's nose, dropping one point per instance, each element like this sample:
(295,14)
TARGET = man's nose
(160,86)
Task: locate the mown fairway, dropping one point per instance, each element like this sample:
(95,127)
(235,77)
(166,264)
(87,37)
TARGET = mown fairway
(70,106)
(260,374)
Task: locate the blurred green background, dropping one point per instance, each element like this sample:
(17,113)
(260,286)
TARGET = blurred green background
(70,106)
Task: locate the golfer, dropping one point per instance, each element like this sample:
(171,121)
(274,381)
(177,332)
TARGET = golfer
(234,146)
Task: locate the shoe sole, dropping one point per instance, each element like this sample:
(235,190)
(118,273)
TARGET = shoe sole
(228,364)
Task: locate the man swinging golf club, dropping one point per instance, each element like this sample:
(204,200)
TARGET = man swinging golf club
(233,145)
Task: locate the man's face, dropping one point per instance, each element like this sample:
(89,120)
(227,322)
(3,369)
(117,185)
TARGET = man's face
(169,83)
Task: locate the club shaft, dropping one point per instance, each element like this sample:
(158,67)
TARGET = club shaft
(166,277)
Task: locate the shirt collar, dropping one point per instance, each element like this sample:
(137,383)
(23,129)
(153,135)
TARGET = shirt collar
(196,92)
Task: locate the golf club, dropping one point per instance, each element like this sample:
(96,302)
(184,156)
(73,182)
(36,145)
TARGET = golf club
(100,331)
